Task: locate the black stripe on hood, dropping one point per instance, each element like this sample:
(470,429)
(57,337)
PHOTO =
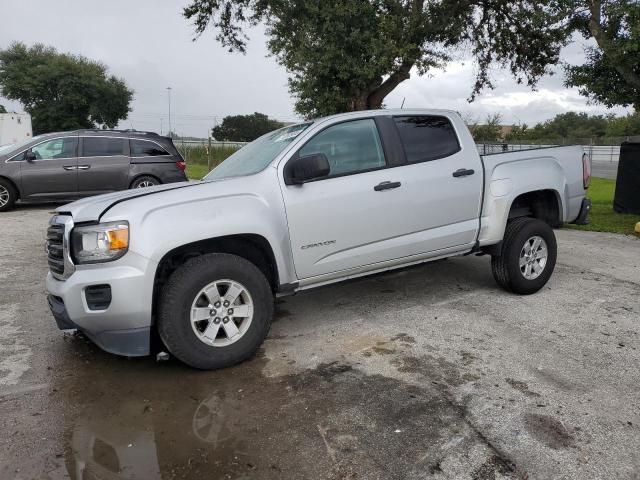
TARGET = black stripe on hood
(190,184)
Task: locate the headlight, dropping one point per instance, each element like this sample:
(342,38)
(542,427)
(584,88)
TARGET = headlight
(100,243)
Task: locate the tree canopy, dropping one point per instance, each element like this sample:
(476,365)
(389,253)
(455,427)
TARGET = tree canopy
(611,73)
(2,109)
(62,91)
(345,55)
(244,128)
(489,131)
(578,126)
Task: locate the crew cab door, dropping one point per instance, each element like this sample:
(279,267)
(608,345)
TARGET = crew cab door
(103,165)
(375,207)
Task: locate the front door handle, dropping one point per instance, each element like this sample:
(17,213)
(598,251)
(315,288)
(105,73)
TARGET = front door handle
(69,167)
(386,186)
(84,167)
(463,172)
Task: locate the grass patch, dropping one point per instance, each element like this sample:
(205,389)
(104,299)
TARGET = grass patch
(197,158)
(603,218)
(196,171)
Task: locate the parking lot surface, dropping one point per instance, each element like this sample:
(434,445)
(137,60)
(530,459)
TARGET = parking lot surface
(428,372)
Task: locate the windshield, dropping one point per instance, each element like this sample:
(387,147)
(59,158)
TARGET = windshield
(255,156)
(7,149)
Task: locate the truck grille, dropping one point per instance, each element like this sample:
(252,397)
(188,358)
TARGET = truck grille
(55,248)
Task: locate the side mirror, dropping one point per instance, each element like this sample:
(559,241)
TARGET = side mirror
(310,167)
(30,156)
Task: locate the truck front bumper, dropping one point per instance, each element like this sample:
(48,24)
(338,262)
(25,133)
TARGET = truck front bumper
(123,326)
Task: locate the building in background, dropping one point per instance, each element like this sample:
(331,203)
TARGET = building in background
(14,128)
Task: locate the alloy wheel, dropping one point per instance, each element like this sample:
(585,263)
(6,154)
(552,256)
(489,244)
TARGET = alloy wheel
(221,313)
(4,196)
(533,257)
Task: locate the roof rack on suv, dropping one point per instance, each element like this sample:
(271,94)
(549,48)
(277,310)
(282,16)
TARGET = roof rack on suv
(129,130)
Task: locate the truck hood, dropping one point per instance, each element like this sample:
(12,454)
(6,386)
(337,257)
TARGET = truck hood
(90,209)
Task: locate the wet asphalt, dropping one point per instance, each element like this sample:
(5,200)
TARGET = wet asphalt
(428,372)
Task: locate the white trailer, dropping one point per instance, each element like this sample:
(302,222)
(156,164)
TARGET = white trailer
(14,128)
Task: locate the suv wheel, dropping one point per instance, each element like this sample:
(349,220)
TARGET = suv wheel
(215,311)
(145,181)
(8,195)
(528,256)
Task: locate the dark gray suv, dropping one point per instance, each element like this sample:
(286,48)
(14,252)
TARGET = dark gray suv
(70,165)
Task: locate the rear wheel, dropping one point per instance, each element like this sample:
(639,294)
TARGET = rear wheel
(8,195)
(215,311)
(527,258)
(145,181)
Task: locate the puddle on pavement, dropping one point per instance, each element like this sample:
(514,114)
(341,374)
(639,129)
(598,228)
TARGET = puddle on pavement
(137,419)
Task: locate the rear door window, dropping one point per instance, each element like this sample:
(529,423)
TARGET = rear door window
(427,137)
(145,148)
(103,146)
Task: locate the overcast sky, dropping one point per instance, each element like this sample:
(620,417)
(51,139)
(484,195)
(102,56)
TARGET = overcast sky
(149,44)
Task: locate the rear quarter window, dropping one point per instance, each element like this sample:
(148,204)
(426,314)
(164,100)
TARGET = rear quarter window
(427,137)
(144,148)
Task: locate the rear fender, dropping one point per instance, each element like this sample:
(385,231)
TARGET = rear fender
(510,180)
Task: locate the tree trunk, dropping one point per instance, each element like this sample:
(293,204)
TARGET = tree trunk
(358,103)
(378,94)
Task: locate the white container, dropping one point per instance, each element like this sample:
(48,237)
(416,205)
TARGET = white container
(14,128)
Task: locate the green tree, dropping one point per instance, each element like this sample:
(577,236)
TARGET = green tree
(611,74)
(626,126)
(62,91)
(244,128)
(489,131)
(517,133)
(345,55)
(573,126)
(2,109)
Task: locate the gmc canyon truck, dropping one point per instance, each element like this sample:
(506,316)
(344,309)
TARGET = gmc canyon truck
(307,205)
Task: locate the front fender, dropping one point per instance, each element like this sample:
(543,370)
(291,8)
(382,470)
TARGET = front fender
(205,212)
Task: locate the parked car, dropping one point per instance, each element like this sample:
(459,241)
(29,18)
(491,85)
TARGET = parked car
(304,206)
(70,165)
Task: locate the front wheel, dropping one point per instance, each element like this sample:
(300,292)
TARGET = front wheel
(215,311)
(8,195)
(527,257)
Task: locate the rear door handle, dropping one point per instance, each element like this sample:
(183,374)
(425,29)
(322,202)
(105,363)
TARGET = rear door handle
(69,167)
(386,186)
(463,172)
(84,167)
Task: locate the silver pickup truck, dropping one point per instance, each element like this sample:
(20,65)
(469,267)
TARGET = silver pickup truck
(303,206)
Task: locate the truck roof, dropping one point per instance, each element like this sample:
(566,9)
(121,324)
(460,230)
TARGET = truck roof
(391,111)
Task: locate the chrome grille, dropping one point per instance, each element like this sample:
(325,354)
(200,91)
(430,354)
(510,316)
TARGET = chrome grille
(58,258)
(55,248)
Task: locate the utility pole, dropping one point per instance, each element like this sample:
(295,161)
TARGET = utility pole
(161,125)
(169,95)
(210,136)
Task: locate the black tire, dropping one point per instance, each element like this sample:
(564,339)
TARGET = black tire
(506,266)
(145,181)
(178,294)
(8,195)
